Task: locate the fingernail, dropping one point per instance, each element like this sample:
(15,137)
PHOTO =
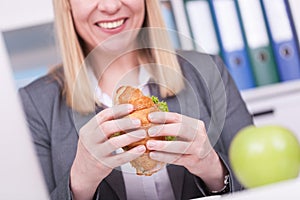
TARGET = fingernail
(151,144)
(138,133)
(150,116)
(136,121)
(152,131)
(141,148)
(129,107)
(153,155)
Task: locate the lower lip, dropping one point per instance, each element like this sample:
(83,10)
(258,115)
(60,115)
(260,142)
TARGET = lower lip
(114,30)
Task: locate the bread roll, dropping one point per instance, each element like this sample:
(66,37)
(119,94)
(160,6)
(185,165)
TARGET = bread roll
(143,105)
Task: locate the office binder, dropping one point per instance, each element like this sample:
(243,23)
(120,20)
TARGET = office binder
(170,22)
(202,26)
(293,8)
(283,39)
(185,36)
(257,41)
(232,44)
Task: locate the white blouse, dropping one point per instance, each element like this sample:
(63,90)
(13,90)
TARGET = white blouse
(157,186)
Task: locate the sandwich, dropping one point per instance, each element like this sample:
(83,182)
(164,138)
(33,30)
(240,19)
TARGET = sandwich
(143,105)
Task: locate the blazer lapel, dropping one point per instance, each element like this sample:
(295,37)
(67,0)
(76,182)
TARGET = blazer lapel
(176,174)
(116,182)
(80,120)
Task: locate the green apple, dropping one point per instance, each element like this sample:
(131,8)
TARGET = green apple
(264,155)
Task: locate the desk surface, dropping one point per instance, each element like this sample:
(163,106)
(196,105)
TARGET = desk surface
(285,190)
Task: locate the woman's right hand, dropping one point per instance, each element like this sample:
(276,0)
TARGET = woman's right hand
(95,157)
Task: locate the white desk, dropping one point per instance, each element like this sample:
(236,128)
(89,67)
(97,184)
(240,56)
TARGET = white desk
(286,190)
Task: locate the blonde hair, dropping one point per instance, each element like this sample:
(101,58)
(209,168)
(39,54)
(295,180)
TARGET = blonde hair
(76,85)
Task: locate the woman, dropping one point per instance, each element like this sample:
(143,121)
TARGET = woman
(102,48)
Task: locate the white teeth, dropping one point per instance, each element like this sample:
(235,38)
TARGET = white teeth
(111,25)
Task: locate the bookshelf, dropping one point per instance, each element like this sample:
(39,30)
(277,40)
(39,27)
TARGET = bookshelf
(273,103)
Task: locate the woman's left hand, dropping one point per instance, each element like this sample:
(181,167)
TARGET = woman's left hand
(191,149)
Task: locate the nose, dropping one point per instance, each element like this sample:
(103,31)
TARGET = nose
(109,6)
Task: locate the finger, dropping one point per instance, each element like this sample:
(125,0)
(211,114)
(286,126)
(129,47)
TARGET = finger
(108,114)
(180,130)
(186,160)
(125,157)
(164,117)
(165,157)
(114,112)
(178,147)
(121,141)
(118,125)
(108,128)
(198,149)
(170,117)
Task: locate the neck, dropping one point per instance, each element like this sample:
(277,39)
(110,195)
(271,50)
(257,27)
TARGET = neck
(123,70)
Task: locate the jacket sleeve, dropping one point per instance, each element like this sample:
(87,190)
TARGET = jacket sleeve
(41,138)
(237,114)
(225,107)
(236,118)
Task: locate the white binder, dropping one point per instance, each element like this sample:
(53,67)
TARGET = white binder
(202,26)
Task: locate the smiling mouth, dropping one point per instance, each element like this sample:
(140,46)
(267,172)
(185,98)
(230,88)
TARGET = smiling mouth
(111,25)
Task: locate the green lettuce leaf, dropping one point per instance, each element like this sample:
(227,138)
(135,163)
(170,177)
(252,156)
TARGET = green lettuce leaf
(162,106)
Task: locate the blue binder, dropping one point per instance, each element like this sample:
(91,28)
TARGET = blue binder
(294,15)
(283,39)
(232,44)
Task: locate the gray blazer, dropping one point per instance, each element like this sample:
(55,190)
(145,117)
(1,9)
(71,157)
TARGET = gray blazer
(210,95)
